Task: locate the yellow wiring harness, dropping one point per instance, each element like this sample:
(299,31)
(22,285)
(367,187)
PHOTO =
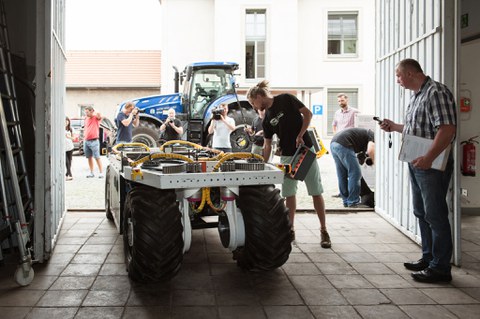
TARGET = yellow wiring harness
(194,145)
(221,157)
(114,149)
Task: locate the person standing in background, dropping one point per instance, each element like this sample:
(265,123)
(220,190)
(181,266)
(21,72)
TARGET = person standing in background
(345,116)
(256,132)
(126,120)
(221,129)
(172,128)
(68,149)
(91,144)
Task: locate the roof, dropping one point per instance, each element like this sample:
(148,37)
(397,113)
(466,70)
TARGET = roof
(113,69)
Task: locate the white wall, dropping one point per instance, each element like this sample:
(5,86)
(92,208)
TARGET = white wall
(207,30)
(469,86)
(104,101)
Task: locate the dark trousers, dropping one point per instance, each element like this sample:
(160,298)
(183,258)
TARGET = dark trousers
(68,162)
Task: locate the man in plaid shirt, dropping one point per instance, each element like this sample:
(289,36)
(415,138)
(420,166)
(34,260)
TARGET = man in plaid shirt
(430,114)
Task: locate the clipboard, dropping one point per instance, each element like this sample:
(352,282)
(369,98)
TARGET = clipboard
(415,146)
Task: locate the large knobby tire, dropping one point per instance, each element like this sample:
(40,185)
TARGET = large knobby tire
(152,235)
(108,211)
(146,133)
(240,140)
(267,228)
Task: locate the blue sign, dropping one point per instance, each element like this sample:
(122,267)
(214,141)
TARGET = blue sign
(317,109)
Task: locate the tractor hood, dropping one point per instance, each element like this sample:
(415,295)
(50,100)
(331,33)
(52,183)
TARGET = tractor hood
(156,105)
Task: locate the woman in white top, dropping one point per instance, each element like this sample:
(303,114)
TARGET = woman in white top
(221,129)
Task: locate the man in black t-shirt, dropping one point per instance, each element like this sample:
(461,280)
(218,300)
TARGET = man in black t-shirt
(287,117)
(172,128)
(345,146)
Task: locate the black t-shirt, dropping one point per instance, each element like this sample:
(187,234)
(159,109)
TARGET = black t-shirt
(169,133)
(257,126)
(355,138)
(284,119)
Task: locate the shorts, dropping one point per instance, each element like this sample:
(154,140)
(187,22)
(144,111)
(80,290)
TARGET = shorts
(92,148)
(313,180)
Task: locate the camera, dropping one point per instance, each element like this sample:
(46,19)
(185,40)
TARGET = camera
(376,118)
(140,111)
(217,113)
(363,158)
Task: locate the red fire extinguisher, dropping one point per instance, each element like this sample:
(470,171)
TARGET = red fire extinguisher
(468,151)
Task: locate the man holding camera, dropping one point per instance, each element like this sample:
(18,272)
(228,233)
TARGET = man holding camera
(221,127)
(172,128)
(126,120)
(345,147)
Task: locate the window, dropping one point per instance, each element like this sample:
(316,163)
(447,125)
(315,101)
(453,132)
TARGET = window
(255,37)
(342,34)
(332,104)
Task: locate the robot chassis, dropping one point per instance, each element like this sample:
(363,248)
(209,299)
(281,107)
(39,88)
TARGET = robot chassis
(169,192)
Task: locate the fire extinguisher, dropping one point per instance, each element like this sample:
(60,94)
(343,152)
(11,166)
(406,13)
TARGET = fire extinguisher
(468,151)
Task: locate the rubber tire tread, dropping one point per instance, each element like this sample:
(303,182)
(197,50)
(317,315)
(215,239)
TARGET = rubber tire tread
(267,228)
(157,250)
(108,211)
(147,128)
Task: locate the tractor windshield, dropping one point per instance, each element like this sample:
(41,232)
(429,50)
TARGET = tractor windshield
(206,86)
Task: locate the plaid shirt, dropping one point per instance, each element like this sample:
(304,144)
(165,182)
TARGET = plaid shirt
(429,108)
(344,119)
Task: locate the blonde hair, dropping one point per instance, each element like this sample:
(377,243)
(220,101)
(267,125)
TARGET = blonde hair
(261,88)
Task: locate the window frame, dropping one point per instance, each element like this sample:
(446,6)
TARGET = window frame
(253,45)
(342,40)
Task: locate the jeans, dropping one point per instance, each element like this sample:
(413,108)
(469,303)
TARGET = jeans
(348,173)
(429,191)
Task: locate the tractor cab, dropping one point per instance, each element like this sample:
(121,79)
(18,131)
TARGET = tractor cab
(205,83)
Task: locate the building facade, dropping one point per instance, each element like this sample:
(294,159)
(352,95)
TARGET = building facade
(316,48)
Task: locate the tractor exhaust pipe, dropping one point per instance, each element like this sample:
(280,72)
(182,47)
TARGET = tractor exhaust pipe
(176,79)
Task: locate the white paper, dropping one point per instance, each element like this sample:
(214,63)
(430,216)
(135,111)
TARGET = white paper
(414,146)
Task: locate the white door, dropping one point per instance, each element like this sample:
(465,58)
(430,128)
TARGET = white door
(424,30)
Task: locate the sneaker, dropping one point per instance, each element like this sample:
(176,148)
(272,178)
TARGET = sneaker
(90,175)
(337,195)
(69,178)
(325,239)
(100,176)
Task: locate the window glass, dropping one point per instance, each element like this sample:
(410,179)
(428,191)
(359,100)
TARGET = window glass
(342,34)
(255,36)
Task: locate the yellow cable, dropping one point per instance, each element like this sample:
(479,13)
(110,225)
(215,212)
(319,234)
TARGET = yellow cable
(236,155)
(194,145)
(114,149)
(161,155)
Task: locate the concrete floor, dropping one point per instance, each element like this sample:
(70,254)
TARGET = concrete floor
(361,276)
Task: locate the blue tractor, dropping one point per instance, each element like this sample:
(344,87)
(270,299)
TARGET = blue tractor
(206,85)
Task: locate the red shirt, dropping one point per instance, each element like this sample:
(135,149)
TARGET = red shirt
(91,128)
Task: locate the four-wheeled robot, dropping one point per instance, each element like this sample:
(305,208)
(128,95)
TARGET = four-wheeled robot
(157,197)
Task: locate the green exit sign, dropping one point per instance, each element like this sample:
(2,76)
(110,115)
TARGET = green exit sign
(464,21)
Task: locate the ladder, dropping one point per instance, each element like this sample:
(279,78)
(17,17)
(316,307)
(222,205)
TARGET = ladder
(16,196)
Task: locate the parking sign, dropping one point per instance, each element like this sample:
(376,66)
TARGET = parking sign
(317,109)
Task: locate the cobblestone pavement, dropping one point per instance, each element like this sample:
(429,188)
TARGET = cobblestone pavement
(88,193)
